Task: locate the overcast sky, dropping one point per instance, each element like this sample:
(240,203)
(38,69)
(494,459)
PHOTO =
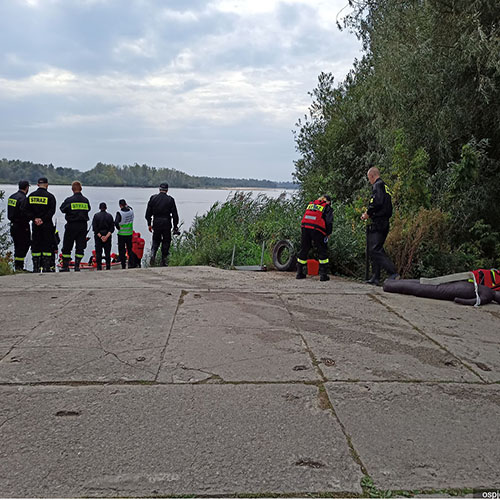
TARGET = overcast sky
(210,87)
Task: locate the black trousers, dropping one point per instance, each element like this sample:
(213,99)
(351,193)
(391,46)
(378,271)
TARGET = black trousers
(124,241)
(99,247)
(162,235)
(21,236)
(74,232)
(42,240)
(377,234)
(310,237)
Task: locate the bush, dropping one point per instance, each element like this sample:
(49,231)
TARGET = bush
(242,223)
(5,255)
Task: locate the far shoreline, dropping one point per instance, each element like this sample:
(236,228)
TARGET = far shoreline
(222,188)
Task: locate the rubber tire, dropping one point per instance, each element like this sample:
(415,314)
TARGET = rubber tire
(291,263)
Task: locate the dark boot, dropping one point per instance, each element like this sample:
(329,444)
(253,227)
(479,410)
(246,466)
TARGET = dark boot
(108,264)
(164,262)
(65,265)
(36,264)
(301,274)
(375,279)
(154,251)
(46,262)
(77,264)
(19,265)
(323,272)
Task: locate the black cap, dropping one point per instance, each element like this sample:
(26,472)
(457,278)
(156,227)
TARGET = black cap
(327,197)
(102,206)
(122,202)
(23,184)
(43,180)
(164,186)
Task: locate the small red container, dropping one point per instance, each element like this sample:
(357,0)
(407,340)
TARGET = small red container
(312,267)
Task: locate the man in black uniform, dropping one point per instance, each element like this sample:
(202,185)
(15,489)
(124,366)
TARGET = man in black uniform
(19,224)
(76,208)
(161,207)
(317,226)
(103,226)
(40,208)
(379,211)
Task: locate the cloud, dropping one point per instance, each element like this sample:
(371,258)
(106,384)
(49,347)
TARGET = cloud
(139,71)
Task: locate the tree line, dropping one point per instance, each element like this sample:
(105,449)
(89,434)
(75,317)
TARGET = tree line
(422,103)
(11,171)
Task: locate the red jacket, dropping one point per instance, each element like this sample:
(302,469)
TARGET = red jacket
(313,217)
(138,244)
(488,277)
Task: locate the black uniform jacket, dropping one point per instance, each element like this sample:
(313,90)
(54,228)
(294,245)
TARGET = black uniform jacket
(103,223)
(16,207)
(162,206)
(41,204)
(380,207)
(328,216)
(76,208)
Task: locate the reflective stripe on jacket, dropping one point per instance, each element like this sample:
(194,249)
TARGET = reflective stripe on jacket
(313,217)
(126,223)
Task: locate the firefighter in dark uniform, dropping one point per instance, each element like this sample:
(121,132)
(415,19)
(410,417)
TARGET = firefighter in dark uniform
(40,208)
(317,225)
(103,226)
(76,209)
(162,209)
(379,211)
(19,224)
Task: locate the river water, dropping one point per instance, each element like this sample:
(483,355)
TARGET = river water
(190,203)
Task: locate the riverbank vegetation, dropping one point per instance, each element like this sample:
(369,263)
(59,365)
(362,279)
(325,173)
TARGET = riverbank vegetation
(422,104)
(242,222)
(11,171)
(5,254)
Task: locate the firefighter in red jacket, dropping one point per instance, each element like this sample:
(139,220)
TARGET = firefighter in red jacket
(137,250)
(317,225)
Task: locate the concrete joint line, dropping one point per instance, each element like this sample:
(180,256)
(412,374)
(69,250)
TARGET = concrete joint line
(180,301)
(419,330)
(314,361)
(327,404)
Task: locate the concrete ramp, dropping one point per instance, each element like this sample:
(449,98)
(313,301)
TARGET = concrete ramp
(200,381)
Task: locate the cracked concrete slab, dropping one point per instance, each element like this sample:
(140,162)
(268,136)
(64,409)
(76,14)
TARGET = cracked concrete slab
(117,321)
(236,354)
(67,364)
(357,338)
(93,339)
(171,440)
(21,312)
(423,436)
(225,309)
(116,388)
(470,333)
(236,337)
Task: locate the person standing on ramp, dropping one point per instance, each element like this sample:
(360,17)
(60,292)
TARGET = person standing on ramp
(162,209)
(379,211)
(76,209)
(40,208)
(124,223)
(19,224)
